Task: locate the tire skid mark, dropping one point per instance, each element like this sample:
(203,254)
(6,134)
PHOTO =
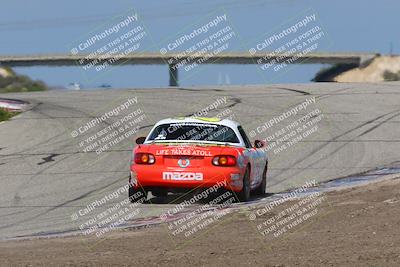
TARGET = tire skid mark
(378,125)
(37,109)
(314,151)
(235,101)
(48,159)
(57,206)
(200,90)
(49,166)
(292,90)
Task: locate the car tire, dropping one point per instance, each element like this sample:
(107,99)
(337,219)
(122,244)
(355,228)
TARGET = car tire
(133,191)
(261,189)
(244,194)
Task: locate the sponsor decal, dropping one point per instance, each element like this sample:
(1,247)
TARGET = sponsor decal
(208,119)
(183,163)
(183,176)
(183,152)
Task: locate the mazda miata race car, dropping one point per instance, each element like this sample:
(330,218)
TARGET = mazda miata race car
(182,154)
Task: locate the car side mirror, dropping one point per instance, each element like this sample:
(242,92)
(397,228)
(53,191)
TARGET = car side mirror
(259,144)
(140,140)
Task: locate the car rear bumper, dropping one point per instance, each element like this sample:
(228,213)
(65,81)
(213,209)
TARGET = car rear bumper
(149,176)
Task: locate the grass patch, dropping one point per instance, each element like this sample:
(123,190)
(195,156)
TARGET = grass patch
(19,83)
(391,76)
(6,115)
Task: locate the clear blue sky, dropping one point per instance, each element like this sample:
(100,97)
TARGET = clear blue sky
(48,26)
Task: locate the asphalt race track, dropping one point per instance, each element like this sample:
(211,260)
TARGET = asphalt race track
(45,176)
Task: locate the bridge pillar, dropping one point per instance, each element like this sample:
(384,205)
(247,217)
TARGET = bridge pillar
(173,75)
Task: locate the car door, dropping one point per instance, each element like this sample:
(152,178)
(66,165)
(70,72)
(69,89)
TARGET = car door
(255,157)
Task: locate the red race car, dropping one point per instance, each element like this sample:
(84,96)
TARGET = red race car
(181,154)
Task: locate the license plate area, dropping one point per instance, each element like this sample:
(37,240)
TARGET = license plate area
(183,161)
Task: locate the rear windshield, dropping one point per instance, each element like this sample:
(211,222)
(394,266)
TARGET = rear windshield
(193,132)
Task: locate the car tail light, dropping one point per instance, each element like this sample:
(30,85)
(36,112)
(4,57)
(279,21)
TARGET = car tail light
(224,160)
(144,158)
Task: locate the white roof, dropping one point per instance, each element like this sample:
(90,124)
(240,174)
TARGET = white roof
(224,122)
(216,121)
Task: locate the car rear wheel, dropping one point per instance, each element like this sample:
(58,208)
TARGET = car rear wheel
(261,190)
(244,194)
(136,194)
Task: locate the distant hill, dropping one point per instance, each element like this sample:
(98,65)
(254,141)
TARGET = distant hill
(12,82)
(383,68)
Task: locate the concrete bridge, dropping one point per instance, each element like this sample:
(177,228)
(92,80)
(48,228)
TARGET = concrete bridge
(173,59)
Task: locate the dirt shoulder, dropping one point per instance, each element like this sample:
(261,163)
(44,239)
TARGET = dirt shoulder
(354,227)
